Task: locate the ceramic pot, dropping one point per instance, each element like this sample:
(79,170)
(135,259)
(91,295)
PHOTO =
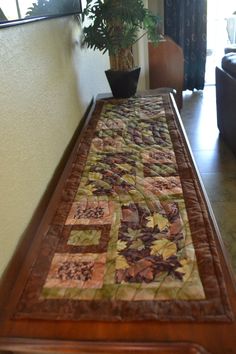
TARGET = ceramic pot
(123,84)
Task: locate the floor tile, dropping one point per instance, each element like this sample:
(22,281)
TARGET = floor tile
(220,187)
(225,214)
(201,140)
(210,161)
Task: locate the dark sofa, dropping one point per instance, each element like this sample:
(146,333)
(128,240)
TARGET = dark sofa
(226,99)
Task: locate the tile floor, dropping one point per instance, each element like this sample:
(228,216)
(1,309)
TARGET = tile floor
(215,162)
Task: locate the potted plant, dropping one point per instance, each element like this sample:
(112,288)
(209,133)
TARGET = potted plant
(114,27)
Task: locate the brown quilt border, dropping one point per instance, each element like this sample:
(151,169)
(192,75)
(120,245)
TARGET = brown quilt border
(215,307)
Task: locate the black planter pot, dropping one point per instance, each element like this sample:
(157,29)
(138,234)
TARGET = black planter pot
(123,84)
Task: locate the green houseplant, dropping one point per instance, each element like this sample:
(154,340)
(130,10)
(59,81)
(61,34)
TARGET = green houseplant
(114,27)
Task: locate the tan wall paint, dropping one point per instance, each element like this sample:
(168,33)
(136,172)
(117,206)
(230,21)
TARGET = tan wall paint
(46,84)
(157,7)
(141,47)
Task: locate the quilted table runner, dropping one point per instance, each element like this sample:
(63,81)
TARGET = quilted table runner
(132,238)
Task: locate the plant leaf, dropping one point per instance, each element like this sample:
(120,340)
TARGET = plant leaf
(137,244)
(93,176)
(88,189)
(186,269)
(157,219)
(124,166)
(129,179)
(133,234)
(121,262)
(121,245)
(163,247)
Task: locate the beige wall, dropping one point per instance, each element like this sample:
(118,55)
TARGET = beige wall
(157,6)
(46,84)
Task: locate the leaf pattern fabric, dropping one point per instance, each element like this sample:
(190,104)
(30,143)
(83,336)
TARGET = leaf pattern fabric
(125,240)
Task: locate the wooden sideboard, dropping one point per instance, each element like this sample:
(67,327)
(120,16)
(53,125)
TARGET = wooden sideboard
(91,337)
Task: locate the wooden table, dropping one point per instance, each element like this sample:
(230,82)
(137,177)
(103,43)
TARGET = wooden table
(48,336)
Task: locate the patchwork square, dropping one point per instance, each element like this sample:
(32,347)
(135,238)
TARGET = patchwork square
(162,186)
(162,170)
(109,174)
(107,144)
(84,239)
(155,246)
(91,213)
(76,271)
(108,122)
(158,156)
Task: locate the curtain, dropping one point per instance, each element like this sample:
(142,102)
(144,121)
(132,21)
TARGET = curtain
(185,23)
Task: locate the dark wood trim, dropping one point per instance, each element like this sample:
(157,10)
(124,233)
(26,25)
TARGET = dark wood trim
(9,275)
(222,248)
(49,346)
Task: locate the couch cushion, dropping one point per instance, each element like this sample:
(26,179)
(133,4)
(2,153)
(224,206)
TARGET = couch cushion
(229,63)
(230,49)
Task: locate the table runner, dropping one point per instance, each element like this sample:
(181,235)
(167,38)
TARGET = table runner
(132,238)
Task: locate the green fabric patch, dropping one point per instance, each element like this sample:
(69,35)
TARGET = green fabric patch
(84,237)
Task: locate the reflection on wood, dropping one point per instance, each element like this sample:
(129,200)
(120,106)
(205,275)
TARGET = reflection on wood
(166,67)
